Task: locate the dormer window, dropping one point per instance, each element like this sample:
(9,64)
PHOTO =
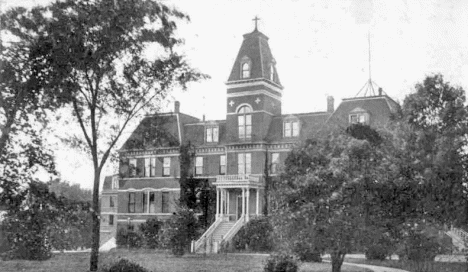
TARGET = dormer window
(358,116)
(212,134)
(272,72)
(245,122)
(245,67)
(291,128)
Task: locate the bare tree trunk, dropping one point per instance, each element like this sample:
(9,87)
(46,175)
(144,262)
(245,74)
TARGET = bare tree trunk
(96,223)
(337,258)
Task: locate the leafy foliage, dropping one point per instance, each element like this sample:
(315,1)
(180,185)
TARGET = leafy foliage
(123,265)
(129,239)
(150,232)
(281,262)
(256,235)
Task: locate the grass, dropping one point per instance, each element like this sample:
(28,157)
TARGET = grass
(159,261)
(414,266)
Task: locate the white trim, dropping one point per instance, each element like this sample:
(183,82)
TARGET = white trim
(250,82)
(242,105)
(165,189)
(151,155)
(261,57)
(138,178)
(235,113)
(256,92)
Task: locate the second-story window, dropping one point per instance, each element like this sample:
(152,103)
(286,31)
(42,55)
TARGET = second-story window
(150,167)
(166,166)
(212,134)
(244,163)
(245,123)
(274,163)
(132,165)
(131,202)
(198,166)
(111,220)
(111,201)
(222,164)
(291,128)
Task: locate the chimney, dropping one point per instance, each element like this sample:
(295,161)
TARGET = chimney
(330,104)
(380,91)
(176,106)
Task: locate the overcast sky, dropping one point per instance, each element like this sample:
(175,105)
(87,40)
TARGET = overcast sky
(320,47)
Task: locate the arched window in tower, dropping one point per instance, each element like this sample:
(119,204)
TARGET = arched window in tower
(272,72)
(245,122)
(245,70)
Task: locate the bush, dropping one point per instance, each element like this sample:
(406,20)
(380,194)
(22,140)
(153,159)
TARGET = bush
(179,231)
(123,265)
(255,235)
(150,232)
(128,238)
(281,263)
(377,252)
(307,253)
(419,247)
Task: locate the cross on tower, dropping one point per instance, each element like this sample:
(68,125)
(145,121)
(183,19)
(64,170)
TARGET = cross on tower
(256,19)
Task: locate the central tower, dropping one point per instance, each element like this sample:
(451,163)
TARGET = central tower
(254,90)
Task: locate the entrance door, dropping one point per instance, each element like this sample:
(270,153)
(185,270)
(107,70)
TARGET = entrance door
(239,206)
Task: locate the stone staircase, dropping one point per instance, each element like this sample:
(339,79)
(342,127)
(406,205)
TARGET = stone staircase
(459,238)
(210,242)
(222,230)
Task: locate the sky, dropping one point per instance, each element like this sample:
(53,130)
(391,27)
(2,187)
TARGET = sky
(321,48)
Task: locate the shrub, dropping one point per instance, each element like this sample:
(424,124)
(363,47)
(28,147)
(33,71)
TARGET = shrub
(281,262)
(255,235)
(377,252)
(128,238)
(179,231)
(150,231)
(419,247)
(306,253)
(123,265)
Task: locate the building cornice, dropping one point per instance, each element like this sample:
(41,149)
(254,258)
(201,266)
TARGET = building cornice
(254,81)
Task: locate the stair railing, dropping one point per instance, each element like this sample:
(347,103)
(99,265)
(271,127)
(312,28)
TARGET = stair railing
(203,239)
(235,228)
(461,233)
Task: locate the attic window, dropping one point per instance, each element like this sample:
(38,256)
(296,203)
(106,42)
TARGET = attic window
(358,116)
(272,72)
(212,134)
(291,128)
(245,70)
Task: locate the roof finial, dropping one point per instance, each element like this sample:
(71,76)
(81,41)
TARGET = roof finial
(256,19)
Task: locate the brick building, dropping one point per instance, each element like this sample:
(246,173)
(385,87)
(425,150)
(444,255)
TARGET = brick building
(230,153)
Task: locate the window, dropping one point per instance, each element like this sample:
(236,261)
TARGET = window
(131,202)
(115,183)
(274,163)
(111,220)
(291,128)
(222,164)
(145,202)
(198,166)
(359,118)
(150,167)
(165,202)
(212,134)
(166,167)
(245,123)
(246,69)
(132,164)
(111,201)
(151,202)
(244,163)
(272,72)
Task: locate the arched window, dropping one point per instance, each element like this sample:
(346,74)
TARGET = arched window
(245,122)
(245,70)
(272,72)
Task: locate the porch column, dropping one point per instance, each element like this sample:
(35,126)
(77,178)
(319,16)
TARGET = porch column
(217,202)
(243,201)
(227,208)
(258,202)
(247,206)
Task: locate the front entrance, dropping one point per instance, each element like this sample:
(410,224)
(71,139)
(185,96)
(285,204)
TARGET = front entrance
(239,207)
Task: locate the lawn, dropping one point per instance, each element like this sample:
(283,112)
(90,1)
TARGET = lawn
(159,261)
(414,266)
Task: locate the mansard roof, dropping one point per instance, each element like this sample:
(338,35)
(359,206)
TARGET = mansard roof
(195,132)
(379,108)
(159,130)
(310,123)
(256,49)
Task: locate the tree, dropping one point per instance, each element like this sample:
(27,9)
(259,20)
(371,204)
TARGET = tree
(326,194)
(95,56)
